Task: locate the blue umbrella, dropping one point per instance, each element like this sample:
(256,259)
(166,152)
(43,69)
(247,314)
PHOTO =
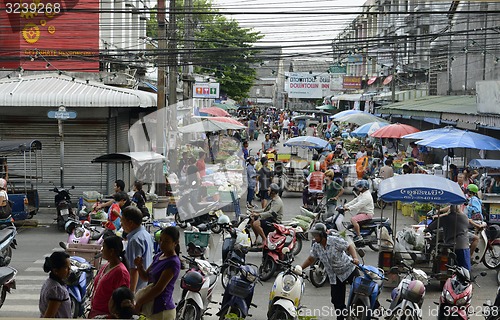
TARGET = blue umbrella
(367,129)
(345,113)
(461,139)
(306,142)
(430,133)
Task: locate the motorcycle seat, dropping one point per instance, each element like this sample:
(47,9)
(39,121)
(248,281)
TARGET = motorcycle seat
(6,233)
(378,220)
(6,273)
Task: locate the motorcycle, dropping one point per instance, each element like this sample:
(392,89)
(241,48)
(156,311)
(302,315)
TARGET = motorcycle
(234,250)
(62,202)
(374,183)
(198,285)
(365,289)
(457,294)
(279,247)
(286,293)
(8,242)
(407,298)
(491,311)
(488,248)
(238,294)
(83,232)
(369,229)
(7,282)
(80,282)
(205,213)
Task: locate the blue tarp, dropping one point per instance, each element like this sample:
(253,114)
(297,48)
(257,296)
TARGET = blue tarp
(485,163)
(423,188)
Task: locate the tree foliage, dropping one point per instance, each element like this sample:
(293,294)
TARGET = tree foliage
(222,49)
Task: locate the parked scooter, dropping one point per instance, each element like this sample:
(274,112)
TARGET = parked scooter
(7,282)
(205,213)
(369,229)
(8,242)
(407,298)
(287,291)
(488,248)
(365,289)
(237,297)
(492,311)
(79,283)
(62,202)
(456,296)
(198,285)
(82,232)
(279,248)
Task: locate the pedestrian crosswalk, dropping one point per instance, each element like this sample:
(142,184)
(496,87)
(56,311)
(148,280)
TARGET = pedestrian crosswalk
(23,301)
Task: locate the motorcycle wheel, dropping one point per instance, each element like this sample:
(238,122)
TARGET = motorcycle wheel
(181,224)
(492,256)
(297,247)
(231,313)
(7,256)
(280,314)
(227,273)
(360,311)
(191,311)
(318,275)
(3,295)
(373,244)
(75,308)
(267,269)
(216,228)
(498,277)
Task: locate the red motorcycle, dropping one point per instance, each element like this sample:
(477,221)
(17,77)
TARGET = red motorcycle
(283,237)
(456,296)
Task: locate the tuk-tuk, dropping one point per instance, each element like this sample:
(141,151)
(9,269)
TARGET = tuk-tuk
(491,201)
(421,188)
(20,165)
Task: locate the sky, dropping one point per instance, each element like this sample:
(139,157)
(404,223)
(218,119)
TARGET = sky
(304,28)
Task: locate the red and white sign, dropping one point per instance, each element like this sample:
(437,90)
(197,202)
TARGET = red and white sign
(49,35)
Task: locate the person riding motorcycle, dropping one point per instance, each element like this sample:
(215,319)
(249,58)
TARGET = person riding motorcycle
(474,212)
(263,219)
(314,185)
(362,206)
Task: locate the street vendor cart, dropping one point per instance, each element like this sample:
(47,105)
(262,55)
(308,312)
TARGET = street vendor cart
(421,188)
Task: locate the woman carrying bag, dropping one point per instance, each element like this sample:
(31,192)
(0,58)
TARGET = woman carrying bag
(156,300)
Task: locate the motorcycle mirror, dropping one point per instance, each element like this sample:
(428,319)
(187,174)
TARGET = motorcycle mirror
(285,250)
(63,245)
(361,252)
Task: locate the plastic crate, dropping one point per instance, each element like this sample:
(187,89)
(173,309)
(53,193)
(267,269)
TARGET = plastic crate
(86,251)
(225,196)
(197,238)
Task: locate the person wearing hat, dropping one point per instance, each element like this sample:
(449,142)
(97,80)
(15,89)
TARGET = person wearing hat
(334,251)
(474,212)
(251,181)
(341,153)
(263,219)
(362,207)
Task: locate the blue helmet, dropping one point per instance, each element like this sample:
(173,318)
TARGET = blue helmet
(362,184)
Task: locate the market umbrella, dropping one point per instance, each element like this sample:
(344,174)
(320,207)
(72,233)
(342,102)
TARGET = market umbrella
(346,113)
(326,107)
(303,117)
(395,130)
(368,129)
(360,118)
(215,111)
(430,133)
(225,106)
(306,142)
(461,139)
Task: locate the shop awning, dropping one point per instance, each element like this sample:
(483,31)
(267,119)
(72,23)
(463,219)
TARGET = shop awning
(53,90)
(372,80)
(348,97)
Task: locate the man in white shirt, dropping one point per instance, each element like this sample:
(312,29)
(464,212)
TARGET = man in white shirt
(362,206)
(286,127)
(361,153)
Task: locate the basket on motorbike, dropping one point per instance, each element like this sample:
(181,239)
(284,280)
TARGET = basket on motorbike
(365,286)
(239,288)
(409,294)
(198,241)
(86,251)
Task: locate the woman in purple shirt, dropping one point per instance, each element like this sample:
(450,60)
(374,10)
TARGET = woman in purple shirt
(162,274)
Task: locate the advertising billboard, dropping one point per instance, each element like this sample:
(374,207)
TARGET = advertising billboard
(306,85)
(352,82)
(49,35)
(209,90)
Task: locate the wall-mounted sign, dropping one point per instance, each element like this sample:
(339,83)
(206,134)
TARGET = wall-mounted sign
(352,82)
(306,85)
(337,68)
(206,90)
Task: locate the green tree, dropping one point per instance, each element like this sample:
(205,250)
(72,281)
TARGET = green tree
(222,49)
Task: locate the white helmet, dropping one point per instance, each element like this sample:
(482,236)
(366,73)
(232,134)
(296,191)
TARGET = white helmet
(3,184)
(223,220)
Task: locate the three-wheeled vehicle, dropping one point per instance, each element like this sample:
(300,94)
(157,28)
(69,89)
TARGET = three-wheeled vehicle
(436,254)
(491,201)
(20,165)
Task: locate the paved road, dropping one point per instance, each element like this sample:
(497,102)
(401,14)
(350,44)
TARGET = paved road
(36,243)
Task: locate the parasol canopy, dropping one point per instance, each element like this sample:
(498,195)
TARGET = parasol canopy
(367,129)
(395,130)
(345,113)
(212,124)
(215,111)
(306,142)
(461,139)
(430,133)
(360,118)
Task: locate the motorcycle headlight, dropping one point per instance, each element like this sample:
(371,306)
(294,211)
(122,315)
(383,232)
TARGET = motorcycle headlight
(288,282)
(448,297)
(249,276)
(463,301)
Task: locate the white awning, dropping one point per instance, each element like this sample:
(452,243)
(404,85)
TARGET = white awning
(348,97)
(52,90)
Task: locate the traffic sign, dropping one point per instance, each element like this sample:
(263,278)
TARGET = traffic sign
(61,115)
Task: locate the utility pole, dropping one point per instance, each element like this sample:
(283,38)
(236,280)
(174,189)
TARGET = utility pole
(187,68)
(393,81)
(161,97)
(171,123)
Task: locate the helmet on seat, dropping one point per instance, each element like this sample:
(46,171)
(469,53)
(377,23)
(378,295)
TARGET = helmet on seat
(192,281)
(473,188)
(319,229)
(70,226)
(362,184)
(274,188)
(223,220)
